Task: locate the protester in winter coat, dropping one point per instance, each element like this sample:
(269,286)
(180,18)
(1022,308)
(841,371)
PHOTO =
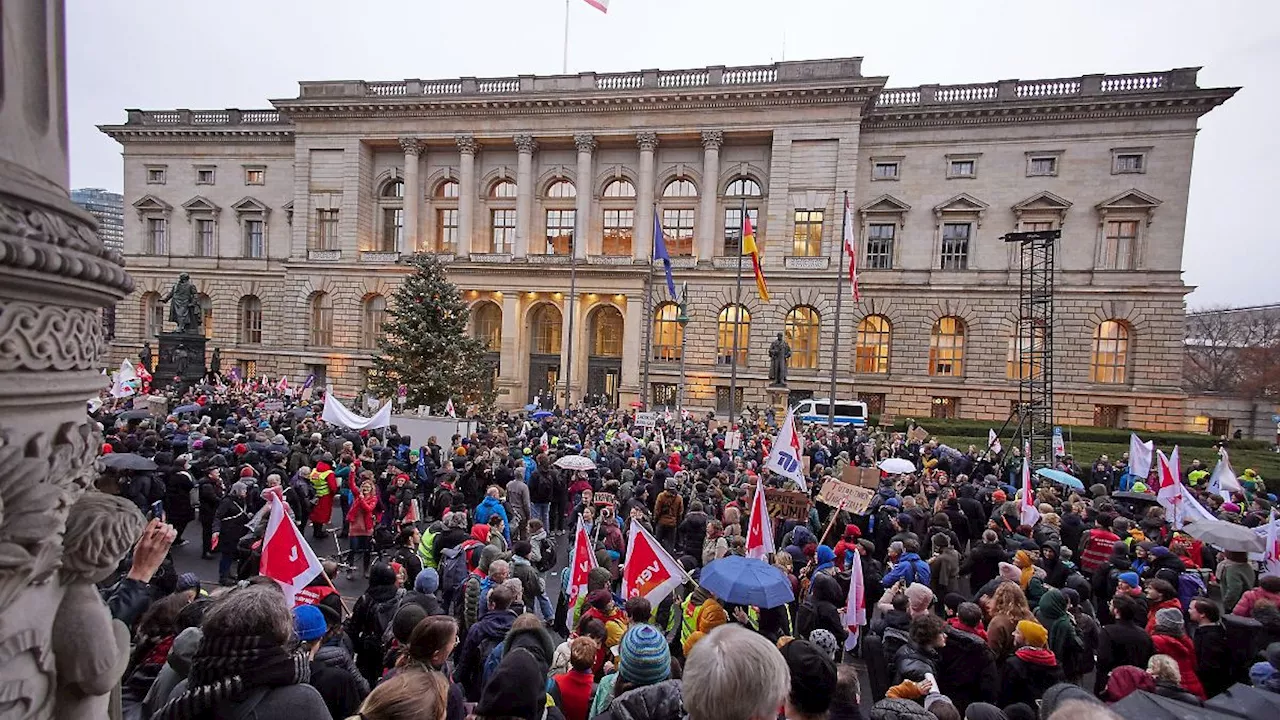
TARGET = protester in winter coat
(1032,669)
(1169,683)
(1268,589)
(1235,576)
(1064,639)
(1123,642)
(692,531)
(482,637)
(1008,608)
(1170,638)
(230,525)
(982,561)
(1213,652)
(370,619)
(341,693)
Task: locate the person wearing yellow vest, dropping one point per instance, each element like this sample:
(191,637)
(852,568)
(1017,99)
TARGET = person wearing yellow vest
(426,545)
(711,615)
(326,487)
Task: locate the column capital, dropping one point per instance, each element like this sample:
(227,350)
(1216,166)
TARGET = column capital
(586,142)
(647,141)
(712,139)
(526,143)
(411,146)
(467,144)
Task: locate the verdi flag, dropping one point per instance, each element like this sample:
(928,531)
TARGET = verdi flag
(760,526)
(660,253)
(750,248)
(785,457)
(581,559)
(1223,481)
(650,572)
(855,614)
(286,556)
(1028,513)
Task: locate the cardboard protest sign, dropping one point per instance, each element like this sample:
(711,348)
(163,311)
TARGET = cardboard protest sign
(732,440)
(868,477)
(918,434)
(646,419)
(603,498)
(855,499)
(888,420)
(787,504)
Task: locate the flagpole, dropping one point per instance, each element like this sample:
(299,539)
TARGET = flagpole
(835,341)
(648,313)
(737,322)
(564,63)
(572,301)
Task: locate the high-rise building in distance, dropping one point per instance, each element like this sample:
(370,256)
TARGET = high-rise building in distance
(108,209)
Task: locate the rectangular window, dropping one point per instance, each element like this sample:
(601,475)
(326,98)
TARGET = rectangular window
(392,229)
(255,176)
(251,323)
(962,168)
(560,232)
(204,238)
(1040,166)
(248,369)
(1125,163)
(1108,416)
(156,175)
(880,246)
(157,236)
(955,246)
(446,230)
(807,238)
(204,176)
(503,238)
(733,229)
(944,408)
(1037,226)
(677,230)
(618,226)
(722,401)
(664,394)
(1117,248)
(254,245)
(884,171)
(874,401)
(326,237)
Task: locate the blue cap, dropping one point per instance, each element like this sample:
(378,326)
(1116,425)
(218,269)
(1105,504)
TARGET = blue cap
(308,623)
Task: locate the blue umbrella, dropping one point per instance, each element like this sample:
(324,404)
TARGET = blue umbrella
(541,414)
(746,581)
(1062,478)
(187,409)
(530,407)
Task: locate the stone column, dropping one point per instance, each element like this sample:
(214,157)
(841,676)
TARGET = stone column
(632,348)
(412,193)
(512,370)
(705,241)
(525,147)
(467,149)
(55,280)
(582,216)
(642,248)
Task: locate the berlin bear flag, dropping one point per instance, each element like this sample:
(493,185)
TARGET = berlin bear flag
(650,571)
(286,556)
(785,458)
(760,528)
(583,560)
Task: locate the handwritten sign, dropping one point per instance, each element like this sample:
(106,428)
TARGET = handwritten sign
(787,504)
(646,419)
(867,477)
(273,405)
(917,434)
(856,499)
(888,420)
(603,498)
(732,440)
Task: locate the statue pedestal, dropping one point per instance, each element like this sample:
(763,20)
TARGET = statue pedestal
(778,395)
(167,363)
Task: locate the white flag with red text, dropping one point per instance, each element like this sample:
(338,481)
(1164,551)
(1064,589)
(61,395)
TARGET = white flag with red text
(583,560)
(1028,513)
(286,556)
(650,571)
(785,456)
(760,526)
(1180,506)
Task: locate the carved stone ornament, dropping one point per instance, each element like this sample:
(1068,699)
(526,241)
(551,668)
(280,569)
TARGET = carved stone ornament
(526,144)
(712,139)
(35,336)
(586,142)
(647,141)
(411,146)
(467,144)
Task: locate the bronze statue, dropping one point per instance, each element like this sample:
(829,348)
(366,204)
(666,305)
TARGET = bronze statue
(144,356)
(215,362)
(181,360)
(779,353)
(184,305)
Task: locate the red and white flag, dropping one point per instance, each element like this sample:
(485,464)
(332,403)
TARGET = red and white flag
(851,248)
(412,514)
(1028,513)
(993,442)
(855,613)
(760,527)
(283,384)
(650,571)
(583,560)
(1272,556)
(448,408)
(785,457)
(286,556)
(601,5)
(1180,506)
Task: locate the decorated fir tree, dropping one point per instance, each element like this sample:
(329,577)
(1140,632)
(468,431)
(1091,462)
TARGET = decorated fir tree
(425,345)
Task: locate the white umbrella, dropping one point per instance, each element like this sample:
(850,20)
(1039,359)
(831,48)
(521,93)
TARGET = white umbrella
(576,463)
(897,466)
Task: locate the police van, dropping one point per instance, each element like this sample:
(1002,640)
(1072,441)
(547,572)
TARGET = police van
(848,412)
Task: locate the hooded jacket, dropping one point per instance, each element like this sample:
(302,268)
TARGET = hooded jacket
(967,669)
(174,671)
(982,563)
(493,506)
(1183,651)
(1027,675)
(904,568)
(490,628)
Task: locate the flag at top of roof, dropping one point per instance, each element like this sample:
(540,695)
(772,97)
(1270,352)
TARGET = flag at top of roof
(601,5)
(660,253)
(750,248)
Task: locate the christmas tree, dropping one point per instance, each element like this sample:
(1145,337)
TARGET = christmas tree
(425,345)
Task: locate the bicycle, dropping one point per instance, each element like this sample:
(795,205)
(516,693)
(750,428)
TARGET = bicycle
(345,557)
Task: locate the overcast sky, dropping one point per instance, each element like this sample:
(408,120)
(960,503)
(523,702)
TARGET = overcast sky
(239,53)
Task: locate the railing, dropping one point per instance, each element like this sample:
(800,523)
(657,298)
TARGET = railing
(965,93)
(626,81)
(254,117)
(205,117)
(1134,83)
(899,97)
(165,117)
(387,89)
(750,76)
(210,117)
(501,85)
(1180,79)
(444,87)
(683,78)
(1047,88)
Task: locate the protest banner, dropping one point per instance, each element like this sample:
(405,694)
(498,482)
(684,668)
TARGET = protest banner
(732,440)
(854,498)
(273,405)
(868,477)
(646,419)
(786,504)
(917,434)
(603,498)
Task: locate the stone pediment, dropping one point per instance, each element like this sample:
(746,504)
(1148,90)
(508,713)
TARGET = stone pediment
(1045,201)
(200,204)
(151,203)
(962,203)
(885,204)
(1130,202)
(250,205)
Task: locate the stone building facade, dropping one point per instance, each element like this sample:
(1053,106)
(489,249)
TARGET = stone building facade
(291,222)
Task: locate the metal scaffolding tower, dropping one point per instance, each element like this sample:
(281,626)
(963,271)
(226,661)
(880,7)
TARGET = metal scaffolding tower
(1034,413)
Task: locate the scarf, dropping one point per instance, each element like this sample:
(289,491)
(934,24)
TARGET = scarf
(226,669)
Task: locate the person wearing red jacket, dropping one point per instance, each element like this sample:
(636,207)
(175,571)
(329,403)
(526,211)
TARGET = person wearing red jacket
(576,685)
(848,546)
(1095,548)
(1169,637)
(362,518)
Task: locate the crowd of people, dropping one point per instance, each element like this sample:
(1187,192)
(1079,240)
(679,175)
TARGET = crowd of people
(970,613)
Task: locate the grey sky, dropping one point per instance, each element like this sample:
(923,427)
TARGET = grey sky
(240,53)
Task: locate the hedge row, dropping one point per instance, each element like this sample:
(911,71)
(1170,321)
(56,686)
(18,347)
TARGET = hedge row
(1077,433)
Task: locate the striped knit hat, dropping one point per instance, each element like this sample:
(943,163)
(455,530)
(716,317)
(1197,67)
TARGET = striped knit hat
(643,656)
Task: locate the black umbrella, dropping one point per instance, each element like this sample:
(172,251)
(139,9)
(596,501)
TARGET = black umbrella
(134,415)
(127,461)
(1142,705)
(1246,701)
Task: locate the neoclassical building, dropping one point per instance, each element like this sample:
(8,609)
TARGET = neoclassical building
(292,221)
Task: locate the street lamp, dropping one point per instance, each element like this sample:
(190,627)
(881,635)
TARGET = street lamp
(683,320)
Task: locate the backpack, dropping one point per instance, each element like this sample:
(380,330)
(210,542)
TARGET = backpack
(1190,586)
(547,560)
(375,638)
(806,618)
(454,569)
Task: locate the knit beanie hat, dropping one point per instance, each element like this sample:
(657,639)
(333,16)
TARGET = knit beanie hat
(308,623)
(188,581)
(919,596)
(1129,578)
(813,677)
(1169,620)
(824,641)
(1009,572)
(405,620)
(1033,633)
(427,582)
(643,656)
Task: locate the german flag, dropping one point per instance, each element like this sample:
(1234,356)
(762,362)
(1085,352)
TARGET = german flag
(749,247)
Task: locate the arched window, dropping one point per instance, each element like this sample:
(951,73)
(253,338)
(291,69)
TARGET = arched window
(946,347)
(743,190)
(801,334)
(729,317)
(680,188)
(321,306)
(1110,361)
(606,332)
(546,330)
(1032,338)
(391,204)
(152,315)
(562,189)
(872,349)
(668,335)
(206,315)
(250,320)
(374,315)
(393,189)
(503,189)
(447,189)
(679,216)
(742,186)
(486,325)
(619,189)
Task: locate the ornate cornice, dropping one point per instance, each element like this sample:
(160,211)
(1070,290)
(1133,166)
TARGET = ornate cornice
(38,239)
(1193,103)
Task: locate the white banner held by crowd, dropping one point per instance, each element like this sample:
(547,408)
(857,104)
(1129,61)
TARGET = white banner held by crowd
(1141,455)
(785,458)
(338,414)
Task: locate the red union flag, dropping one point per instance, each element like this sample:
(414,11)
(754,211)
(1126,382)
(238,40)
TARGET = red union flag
(583,560)
(650,571)
(760,527)
(286,556)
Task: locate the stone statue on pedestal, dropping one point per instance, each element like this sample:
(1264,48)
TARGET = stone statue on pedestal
(144,356)
(184,305)
(779,353)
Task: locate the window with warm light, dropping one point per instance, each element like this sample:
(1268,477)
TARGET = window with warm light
(321,319)
(206,315)
(800,330)
(730,317)
(807,238)
(606,332)
(486,323)
(679,214)
(741,191)
(872,347)
(1032,338)
(446,230)
(618,228)
(668,335)
(250,320)
(546,330)
(946,347)
(1110,360)
(375,311)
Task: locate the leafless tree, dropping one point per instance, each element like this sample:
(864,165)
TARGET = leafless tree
(1234,351)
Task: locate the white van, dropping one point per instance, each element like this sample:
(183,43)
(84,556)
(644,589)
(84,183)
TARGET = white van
(848,412)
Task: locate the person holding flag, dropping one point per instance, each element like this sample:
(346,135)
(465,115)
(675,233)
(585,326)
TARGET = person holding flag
(1028,514)
(759,527)
(286,556)
(581,561)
